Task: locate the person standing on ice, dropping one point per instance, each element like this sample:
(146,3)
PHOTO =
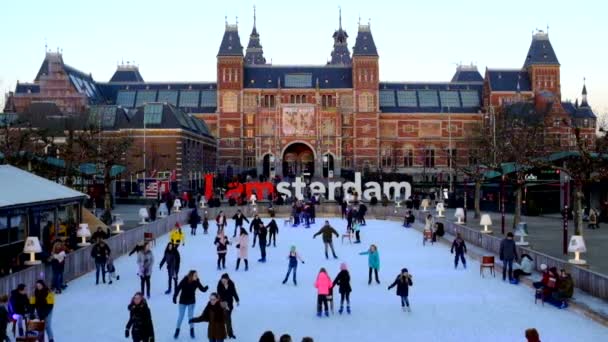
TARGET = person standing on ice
(403,283)
(323,285)
(238,221)
(262,232)
(228,295)
(177,236)
(205,225)
(214,315)
(221,220)
(253,227)
(42,302)
(327,231)
(508,254)
(139,326)
(373,262)
(172,258)
(243,246)
(145,261)
(273,230)
(293,257)
(100,253)
(461,248)
(194,220)
(187,298)
(221,243)
(342,280)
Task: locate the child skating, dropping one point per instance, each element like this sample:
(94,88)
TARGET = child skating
(205,225)
(403,282)
(111,270)
(323,285)
(293,257)
(373,261)
(343,282)
(461,248)
(221,242)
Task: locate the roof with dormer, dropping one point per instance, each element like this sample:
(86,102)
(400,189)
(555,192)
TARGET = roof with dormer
(541,52)
(231,42)
(364,44)
(127,73)
(508,80)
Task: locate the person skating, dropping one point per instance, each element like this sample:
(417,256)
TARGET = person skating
(238,221)
(177,236)
(461,249)
(42,302)
(173,259)
(508,254)
(194,220)
(221,243)
(139,326)
(214,315)
(4,318)
(262,232)
(111,269)
(205,225)
(228,295)
(357,229)
(323,285)
(373,262)
(243,246)
(273,231)
(361,214)
(403,283)
(186,290)
(327,231)
(221,220)
(342,280)
(100,253)
(19,306)
(58,265)
(293,257)
(145,262)
(254,227)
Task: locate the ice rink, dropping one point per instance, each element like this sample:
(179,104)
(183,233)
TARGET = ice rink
(447,304)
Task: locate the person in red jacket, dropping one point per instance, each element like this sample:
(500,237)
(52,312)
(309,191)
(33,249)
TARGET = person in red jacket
(323,285)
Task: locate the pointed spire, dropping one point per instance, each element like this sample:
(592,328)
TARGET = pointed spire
(584,102)
(340,54)
(254,53)
(576,104)
(364,44)
(231,42)
(340,18)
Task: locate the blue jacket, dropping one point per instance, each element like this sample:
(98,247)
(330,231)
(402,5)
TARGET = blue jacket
(373,259)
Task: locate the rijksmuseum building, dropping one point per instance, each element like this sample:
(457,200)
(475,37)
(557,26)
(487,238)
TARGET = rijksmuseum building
(322,119)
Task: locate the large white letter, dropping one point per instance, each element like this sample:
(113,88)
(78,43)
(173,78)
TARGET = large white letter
(372,189)
(298,187)
(317,188)
(332,189)
(397,189)
(283,189)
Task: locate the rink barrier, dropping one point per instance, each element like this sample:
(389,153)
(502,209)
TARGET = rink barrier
(79,262)
(587,280)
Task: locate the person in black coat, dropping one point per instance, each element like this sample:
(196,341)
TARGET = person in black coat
(508,254)
(173,259)
(273,230)
(403,283)
(361,214)
(187,287)
(140,325)
(228,295)
(262,232)
(4,317)
(152,212)
(238,221)
(100,253)
(343,282)
(253,226)
(19,306)
(214,314)
(461,248)
(194,220)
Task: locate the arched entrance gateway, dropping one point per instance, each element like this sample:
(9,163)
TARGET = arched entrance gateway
(298,160)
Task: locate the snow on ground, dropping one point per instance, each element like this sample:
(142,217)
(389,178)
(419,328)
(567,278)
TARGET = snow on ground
(447,304)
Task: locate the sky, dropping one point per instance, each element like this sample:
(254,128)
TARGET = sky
(416,40)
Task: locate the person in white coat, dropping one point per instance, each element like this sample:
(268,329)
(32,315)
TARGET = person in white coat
(243,246)
(524,267)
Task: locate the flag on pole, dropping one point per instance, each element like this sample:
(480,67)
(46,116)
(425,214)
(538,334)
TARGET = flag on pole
(152,189)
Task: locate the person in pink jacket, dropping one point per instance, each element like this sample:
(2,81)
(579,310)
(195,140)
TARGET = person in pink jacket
(243,246)
(323,285)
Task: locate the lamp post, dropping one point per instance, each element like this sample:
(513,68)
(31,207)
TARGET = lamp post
(565,223)
(502,204)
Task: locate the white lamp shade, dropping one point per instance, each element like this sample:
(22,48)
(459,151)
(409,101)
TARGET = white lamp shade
(425,203)
(32,245)
(83,231)
(163,210)
(577,244)
(520,231)
(440,207)
(203,199)
(459,213)
(485,220)
(143,213)
(118,221)
(177,203)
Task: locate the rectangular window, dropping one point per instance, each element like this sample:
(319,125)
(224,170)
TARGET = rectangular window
(387,98)
(189,98)
(407,98)
(250,162)
(249,133)
(408,158)
(153,114)
(298,80)
(268,101)
(250,119)
(428,98)
(13,232)
(470,98)
(168,96)
(145,96)
(449,99)
(208,98)
(125,99)
(250,101)
(429,158)
(451,154)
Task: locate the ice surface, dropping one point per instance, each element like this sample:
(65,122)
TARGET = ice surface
(447,304)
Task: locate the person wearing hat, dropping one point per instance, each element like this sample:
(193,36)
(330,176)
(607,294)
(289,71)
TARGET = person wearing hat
(177,236)
(343,282)
(293,257)
(403,282)
(544,279)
